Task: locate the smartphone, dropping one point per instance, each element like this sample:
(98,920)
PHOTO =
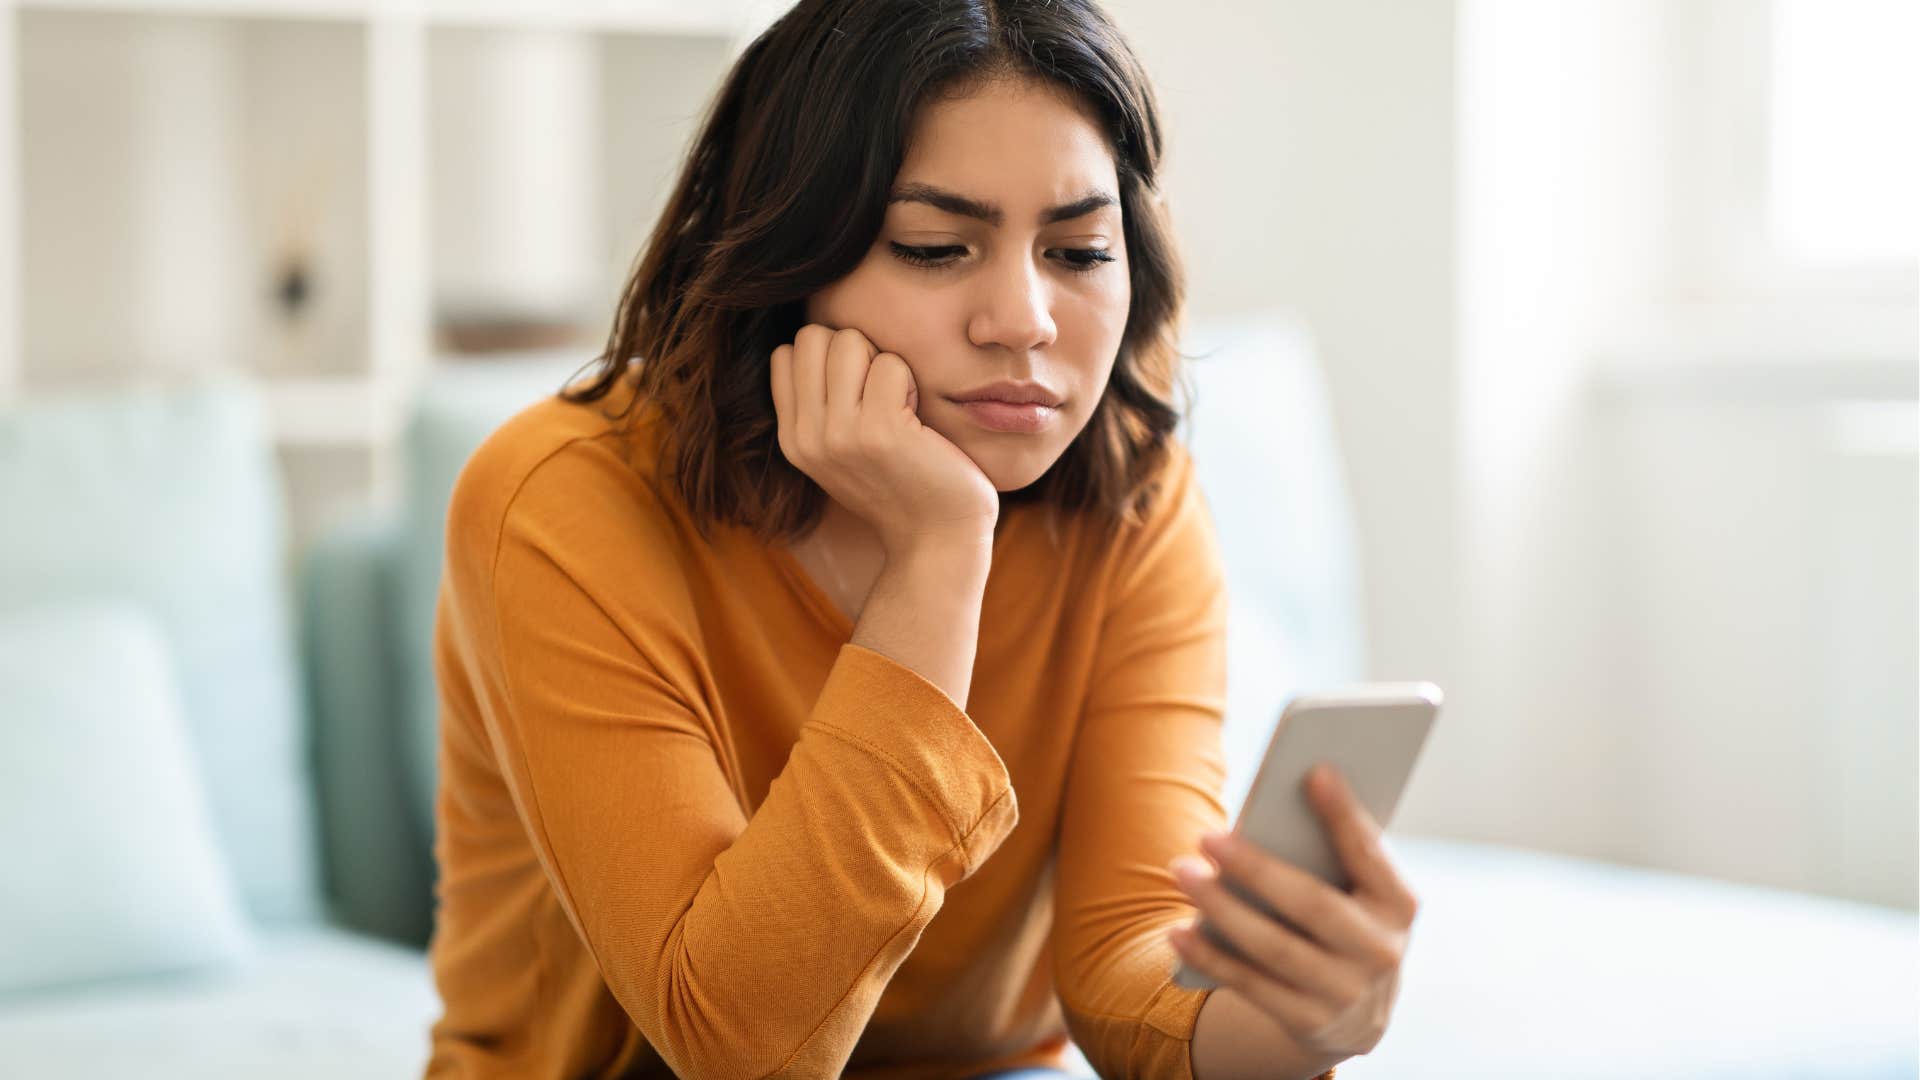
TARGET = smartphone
(1372,733)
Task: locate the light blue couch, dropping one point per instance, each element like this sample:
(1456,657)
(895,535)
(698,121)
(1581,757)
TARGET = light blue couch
(313,708)
(167,506)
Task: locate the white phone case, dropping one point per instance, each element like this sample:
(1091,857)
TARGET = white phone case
(1372,733)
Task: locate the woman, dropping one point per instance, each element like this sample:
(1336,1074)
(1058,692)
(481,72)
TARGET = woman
(830,679)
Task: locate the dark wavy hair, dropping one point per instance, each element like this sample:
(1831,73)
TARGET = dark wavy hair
(785,189)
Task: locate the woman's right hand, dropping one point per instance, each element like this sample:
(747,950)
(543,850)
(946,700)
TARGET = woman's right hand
(848,418)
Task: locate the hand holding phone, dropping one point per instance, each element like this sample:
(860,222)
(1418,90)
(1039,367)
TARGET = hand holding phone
(1371,735)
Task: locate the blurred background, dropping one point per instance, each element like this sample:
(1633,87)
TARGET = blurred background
(1608,313)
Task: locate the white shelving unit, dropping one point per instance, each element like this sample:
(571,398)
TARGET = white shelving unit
(707,17)
(302,191)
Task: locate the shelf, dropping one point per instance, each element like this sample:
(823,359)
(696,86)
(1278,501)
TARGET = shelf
(311,193)
(709,17)
(272,9)
(177,178)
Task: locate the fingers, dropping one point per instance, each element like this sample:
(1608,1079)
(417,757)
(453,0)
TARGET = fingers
(853,428)
(810,375)
(1328,915)
(829,377)
(1356,838)
(1262,939)
(1295,1009)
(849,355)
(890,386)
(780,372)
(828,383)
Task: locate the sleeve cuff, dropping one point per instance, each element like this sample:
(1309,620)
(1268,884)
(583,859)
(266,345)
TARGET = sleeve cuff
(892,712)
(1176,1009)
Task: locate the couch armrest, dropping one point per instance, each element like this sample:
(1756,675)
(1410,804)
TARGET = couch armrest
(378,865)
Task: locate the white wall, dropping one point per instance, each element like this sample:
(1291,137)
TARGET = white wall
(1310,166)
(1559,208)
(657,88)
(1766,693)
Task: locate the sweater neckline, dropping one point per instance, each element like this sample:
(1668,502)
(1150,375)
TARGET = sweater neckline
(826,613)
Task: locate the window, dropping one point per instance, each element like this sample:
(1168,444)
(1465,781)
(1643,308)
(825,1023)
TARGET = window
(1844,162)
(1790,170)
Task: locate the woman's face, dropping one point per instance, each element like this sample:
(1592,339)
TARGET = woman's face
(1002,259)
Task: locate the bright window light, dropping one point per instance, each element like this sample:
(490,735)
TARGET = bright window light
(1845,156)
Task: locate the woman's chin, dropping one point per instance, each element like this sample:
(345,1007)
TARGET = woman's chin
(1015,474)
(1008,466)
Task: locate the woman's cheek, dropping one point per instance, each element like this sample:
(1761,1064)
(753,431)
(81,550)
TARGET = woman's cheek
(894,317)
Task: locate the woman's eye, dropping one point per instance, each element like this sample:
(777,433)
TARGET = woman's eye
(928,256)
(1081,260)
(1078,260)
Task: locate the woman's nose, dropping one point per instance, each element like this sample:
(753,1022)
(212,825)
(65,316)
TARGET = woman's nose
(1014,309)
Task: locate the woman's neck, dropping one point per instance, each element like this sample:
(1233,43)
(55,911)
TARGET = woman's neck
(843,555)
(847,534)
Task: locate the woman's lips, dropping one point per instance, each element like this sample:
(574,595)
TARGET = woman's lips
(1007,416)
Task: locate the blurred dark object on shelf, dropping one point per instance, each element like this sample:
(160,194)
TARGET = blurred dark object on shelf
(294,287)
(480,336)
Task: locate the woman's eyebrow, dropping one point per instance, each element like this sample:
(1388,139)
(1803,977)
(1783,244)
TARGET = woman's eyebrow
(955,203)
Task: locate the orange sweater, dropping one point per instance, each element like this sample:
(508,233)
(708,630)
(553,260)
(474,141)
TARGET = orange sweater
(685,826)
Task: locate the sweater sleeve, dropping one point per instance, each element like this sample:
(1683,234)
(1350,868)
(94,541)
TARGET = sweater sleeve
(741,947)
(1144,784)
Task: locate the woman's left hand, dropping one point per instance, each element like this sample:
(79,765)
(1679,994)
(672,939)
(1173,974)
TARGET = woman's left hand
(1333,986)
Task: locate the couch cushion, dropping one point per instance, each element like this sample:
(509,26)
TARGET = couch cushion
(312,1002)
(1525,964)
(379,860)
(169,498)
(113,865)
(458,408)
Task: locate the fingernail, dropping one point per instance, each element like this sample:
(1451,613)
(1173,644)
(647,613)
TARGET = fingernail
(1188,869)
